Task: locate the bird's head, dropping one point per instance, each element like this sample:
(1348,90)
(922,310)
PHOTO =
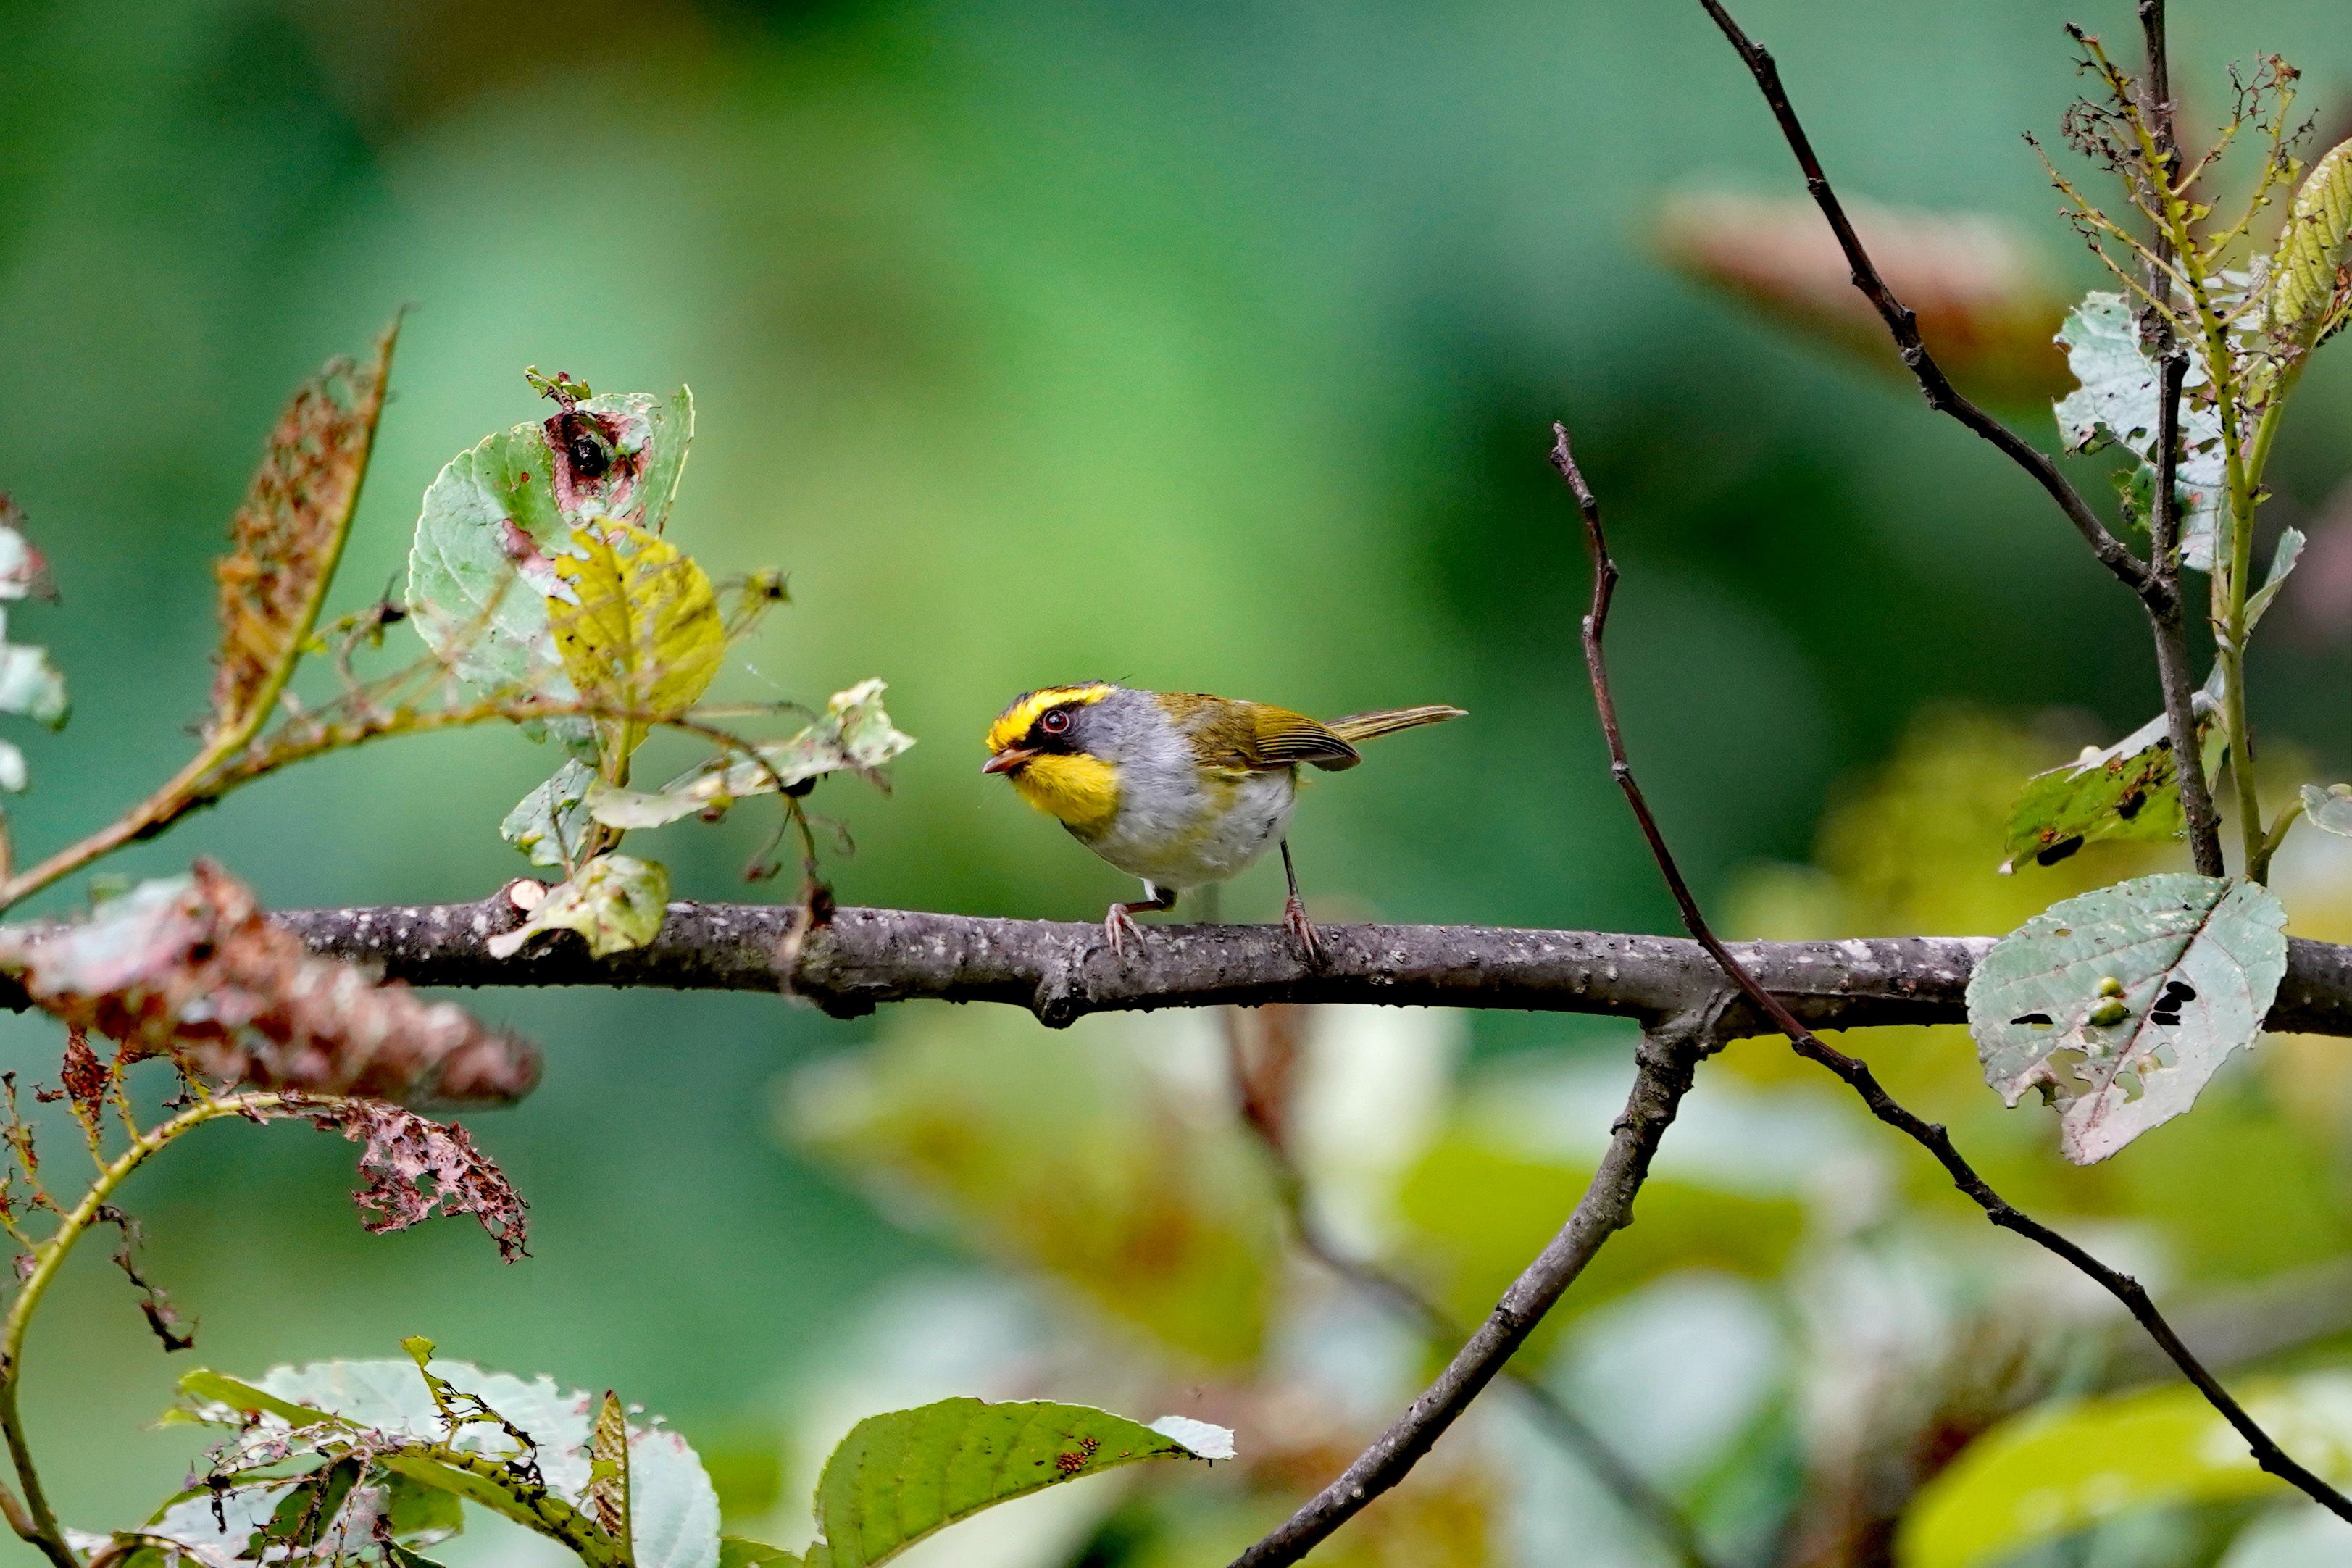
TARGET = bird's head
(1056,745)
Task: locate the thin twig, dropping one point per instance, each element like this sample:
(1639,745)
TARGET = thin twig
(1930,1136)
(1665,1063)
(1263,1117)
(1903,326)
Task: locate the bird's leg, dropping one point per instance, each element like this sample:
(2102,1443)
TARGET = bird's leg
(1294,912)
(1120,923)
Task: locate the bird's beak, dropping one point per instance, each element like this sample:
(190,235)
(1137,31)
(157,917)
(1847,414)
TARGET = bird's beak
(1005,761)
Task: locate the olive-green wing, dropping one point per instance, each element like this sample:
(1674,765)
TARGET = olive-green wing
(1278,738)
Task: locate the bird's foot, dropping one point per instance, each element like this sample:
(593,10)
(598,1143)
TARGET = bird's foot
(1117,927)
(1301,930)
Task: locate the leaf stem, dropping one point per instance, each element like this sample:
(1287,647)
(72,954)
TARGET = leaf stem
(34,1520)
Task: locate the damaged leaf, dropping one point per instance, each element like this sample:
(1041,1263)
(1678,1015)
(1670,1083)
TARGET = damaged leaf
(190,967)
(638,629)
(607,1499)
(526,1450)
(2329,809)
(854,733)
(288,533)
(480,570)
(2120,1004)
(415,1169)
(2118,400)
(898,1477)
(2129,791)
(615,902)
(2307,291)
(551,823)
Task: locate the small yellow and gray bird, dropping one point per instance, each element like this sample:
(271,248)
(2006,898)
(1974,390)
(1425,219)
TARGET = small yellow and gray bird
(1180,788)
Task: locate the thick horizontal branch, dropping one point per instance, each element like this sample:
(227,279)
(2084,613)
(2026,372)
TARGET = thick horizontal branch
(1062,971)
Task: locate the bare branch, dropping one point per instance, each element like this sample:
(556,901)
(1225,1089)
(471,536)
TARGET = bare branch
(1903,326)
(1666,1063)
(1930,1136)
(862,958)
(1263,1115)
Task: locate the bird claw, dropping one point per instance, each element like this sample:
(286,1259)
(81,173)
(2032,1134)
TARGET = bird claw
(1301,928)
(1118,926)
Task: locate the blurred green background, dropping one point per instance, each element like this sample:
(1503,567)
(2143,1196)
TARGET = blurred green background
(1205,345)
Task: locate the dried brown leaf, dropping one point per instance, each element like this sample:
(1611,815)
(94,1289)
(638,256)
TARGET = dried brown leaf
(190,967)
(414,1169)
(288,533)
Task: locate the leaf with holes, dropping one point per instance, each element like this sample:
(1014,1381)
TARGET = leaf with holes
(551,823)
(898,1477)
(2129,791)
(286,537)
(2306,294)
(638,629)
(2119,1005)
(481,567)
(615,902)
(854,733)
(447,1429)
(2118,400)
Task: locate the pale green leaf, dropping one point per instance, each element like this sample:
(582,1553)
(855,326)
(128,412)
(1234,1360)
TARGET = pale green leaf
(481,564)
(638,629)
(898,1477)
(2062,1469)
(854,733)
(2129,791)
(2289,550)
(615,902)
(551,823)
(2118,400)
(2119,1005)
(2329,809)
(735,1552)
(2304,297)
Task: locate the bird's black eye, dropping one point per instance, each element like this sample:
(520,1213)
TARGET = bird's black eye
(1057,723)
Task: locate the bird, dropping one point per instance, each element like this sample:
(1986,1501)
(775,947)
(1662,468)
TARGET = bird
(1180,788)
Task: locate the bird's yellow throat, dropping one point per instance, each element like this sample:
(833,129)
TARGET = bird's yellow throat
(1081,792)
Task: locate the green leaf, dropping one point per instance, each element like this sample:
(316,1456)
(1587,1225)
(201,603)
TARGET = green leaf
(481,564)
(2289,550)
(854,733)
(615,902)
(638,629)
(898,1477)
(735,1552)
(551,823)
(2058,1469)
(2329,809)
(428,1421)
(2129,791)
(2118,400)
(2306,298)
(2120,1004)
(224,1401)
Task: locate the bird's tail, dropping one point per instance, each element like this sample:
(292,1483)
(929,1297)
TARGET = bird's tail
(1389,720)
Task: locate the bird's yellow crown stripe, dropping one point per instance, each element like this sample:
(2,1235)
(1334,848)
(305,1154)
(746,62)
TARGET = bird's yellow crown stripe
(1015,720)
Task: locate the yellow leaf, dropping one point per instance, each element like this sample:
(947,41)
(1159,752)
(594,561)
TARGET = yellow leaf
(644,635)
(2306,268)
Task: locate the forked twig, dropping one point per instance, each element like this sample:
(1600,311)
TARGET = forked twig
(1858,1076)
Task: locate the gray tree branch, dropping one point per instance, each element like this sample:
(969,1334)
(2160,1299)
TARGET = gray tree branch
(1062,970)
